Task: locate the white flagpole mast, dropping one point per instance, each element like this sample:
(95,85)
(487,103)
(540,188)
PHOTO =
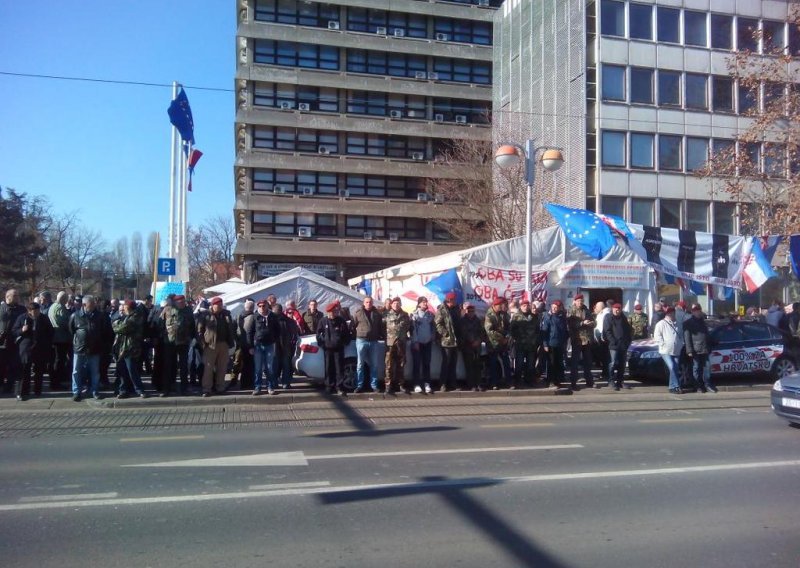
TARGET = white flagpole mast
(173,148)
(181,253)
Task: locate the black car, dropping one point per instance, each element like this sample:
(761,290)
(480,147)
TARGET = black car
(786,398)
(739,347)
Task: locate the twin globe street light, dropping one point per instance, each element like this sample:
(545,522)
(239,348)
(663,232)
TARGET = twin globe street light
(507,157)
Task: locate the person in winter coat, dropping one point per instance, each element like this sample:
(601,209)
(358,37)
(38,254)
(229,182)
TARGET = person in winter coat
(471,334)
(423,332)
(396,329)
(670,345)
(698,345)
(581,332)
(62,342)
(180,330)
(333,334)
(10,365)
(367,327)
(640,326)
(91,334)
(242,370)
(34,338)
(525,330)
(129,328)
(262,339)
(497,324)
(600,352)
(793,319)
(286,345)
(312,316)
(217,330)
(617,333)
(447,321)
(555,333)
(292,312)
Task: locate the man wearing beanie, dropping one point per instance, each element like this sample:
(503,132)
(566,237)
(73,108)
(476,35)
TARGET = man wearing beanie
(333,335)
(423,332)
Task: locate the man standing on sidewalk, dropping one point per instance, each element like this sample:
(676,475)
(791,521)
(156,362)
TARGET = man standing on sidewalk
(423,332)
(555,333)
(447,323)
(91,334)
(497,324)
(34,336)
(367,327)
(471,334)
(286,345)
(525,330)
(698,346)
(333,335)
(62,342)
(10,365)
(396,329)
(262,340)
(129,328)
(218,332)
(581,330)
(670,345)
(617,333)
(179,322)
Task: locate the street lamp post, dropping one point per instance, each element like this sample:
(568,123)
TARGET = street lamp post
(508,156)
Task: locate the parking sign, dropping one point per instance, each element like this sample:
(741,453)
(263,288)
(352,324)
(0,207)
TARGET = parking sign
(166,267)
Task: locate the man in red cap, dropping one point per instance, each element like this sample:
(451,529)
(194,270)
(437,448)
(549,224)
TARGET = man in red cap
(617,333)
(498,326)
(640,324)
(525,329)
(555,333)
(333,335)
(581,332)
(179,322)
(447,321)
(217,330)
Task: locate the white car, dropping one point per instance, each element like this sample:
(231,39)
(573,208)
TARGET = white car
(311,361)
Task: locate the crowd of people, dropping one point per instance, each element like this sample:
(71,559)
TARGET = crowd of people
(186,348)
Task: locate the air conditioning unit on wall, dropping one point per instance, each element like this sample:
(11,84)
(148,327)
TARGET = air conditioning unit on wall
(304,232)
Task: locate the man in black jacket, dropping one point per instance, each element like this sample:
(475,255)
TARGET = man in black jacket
(698,345)
(91,333)
(34,336)
(10,366)
(617,333)
(262,336)
(332,335)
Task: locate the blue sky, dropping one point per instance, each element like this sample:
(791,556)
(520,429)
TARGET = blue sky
(103,149)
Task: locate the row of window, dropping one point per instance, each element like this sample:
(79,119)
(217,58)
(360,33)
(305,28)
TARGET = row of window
(355,143)
(697,29)
(331,184)
(673,153)
(300,12)
(374,103)
(355,226)
(691,91)
(310,56)
(717,217)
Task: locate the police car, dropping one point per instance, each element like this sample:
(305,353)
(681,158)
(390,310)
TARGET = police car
(738,348)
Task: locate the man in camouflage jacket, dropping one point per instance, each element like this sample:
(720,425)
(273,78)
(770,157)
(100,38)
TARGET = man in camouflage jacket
(497,325)
(581,335)
(525,330)
(640,325)
(180,324)
(129,330)
(446,321)
(397,330)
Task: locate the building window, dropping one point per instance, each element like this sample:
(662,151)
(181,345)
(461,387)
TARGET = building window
(670,213)
(640,21)
(642,151)
(721,32)
(278,95)
(694,28)
(465,31)
(669,152)
(643,211)
(696,96)
(747,34)
(612,18)
(390,187)
(294,139)
(369,20)
(696,153)
(476,112)
(380,227)
(794,40)
(613,149)
(723,218)
(773,37)
(290,223)
(383,63)
(723,150)
(775,160)
(669,28)
(359,143)
(722,94)
(613,83)
(748,99)
(296,54)
(440,233)
(294,12)
(669,88)
(463,71)
(773,98)
(751,164)
(641,85)
(290,181)
(697,216)
(613,205)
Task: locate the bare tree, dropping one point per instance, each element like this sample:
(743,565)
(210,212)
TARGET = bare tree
(137,261)
(120,262)
(210,249)
(760,170)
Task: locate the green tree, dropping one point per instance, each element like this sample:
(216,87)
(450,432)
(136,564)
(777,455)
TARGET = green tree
(21,233)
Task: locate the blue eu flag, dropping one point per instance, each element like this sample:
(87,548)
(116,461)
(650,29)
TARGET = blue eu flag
(180,115)
(585,229)
(445,283)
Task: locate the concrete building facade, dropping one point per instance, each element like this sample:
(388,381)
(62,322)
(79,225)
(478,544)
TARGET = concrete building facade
(342,107)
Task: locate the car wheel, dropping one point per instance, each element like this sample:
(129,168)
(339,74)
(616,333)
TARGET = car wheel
(350,374)
(782,367)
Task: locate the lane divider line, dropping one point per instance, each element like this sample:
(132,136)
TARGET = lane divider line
(668,420)
(445,452)
(519,425)
(163,438)
(289,485)
(74,497)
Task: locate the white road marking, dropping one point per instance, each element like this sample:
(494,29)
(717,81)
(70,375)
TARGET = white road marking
(668,420)
(416,485)
(74,497)
(163,438)
(518,425)
(289,485)
(300,459)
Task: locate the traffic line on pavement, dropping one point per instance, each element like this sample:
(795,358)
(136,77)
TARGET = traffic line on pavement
(668,420)
(289,485)
(445,452)
(163,438)
(518,425)
(417,486)
(74,497)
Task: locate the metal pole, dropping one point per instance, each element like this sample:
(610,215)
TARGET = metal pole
(172,181)
(530,173)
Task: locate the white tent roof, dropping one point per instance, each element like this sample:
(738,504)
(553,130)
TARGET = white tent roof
(297,284)
(551,249)
(226,287)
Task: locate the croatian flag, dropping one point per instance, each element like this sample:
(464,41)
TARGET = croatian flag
(757,269)
(194,157)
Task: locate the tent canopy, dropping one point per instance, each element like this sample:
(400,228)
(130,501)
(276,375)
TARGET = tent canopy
(297,284)
(226,287)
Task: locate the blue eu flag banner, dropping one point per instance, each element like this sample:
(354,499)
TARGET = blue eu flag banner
(180,115)
(445,283)
(794,253)
(585,229)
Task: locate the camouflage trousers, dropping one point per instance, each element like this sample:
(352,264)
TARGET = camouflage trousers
(395,364)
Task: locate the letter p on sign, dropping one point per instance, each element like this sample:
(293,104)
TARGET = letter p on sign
(166,267)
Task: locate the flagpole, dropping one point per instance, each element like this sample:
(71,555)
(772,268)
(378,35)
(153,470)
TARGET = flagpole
(182,216)
(171,251)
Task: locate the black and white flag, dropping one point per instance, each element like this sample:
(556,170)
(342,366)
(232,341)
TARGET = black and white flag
(691,255)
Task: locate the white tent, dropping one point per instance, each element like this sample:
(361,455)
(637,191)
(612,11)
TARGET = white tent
(226,287)
(297,284)
(497,269)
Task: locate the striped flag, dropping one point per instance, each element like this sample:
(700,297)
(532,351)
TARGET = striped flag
(191,162)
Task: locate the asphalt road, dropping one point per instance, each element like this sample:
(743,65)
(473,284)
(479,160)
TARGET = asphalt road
(641,489)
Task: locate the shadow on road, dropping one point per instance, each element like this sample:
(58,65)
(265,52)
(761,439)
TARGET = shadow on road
(453,492)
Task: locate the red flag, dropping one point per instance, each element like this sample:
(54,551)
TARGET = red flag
(194,157)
